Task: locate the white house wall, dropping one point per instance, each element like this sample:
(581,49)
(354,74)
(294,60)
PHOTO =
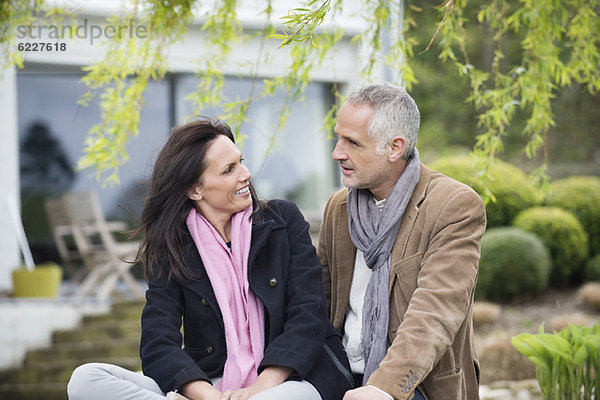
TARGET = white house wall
(9,177)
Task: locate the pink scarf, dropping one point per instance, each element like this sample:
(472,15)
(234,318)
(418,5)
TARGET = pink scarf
(243,313)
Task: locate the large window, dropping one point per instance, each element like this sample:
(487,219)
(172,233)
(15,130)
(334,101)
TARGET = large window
(47,103)
(53,128)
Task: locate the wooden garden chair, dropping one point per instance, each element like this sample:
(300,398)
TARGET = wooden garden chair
(62,228)
(105,258)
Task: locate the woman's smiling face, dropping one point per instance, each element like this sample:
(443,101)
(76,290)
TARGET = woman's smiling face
(224,187)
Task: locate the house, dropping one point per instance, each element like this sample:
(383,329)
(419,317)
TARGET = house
(43,98)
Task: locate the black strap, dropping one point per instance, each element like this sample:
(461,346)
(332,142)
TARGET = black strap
(347,374)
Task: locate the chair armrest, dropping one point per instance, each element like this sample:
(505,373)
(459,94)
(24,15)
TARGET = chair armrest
(113,226)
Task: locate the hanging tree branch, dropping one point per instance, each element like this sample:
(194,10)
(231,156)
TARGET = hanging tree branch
(559,46)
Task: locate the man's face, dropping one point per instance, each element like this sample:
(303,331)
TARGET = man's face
(355,150)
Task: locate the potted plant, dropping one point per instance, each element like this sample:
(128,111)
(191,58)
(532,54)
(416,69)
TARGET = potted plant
(42,281)
(32,280)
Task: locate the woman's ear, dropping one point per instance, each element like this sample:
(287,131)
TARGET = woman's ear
(195,193)
(397,147)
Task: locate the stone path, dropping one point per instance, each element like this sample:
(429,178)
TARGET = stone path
(511,390)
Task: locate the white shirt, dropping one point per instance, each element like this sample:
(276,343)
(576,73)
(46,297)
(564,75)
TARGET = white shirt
(353,324)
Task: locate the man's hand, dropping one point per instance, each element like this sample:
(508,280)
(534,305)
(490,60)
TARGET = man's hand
(365,393)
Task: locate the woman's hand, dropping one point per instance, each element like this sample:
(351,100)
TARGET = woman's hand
(270,377)
(200,390)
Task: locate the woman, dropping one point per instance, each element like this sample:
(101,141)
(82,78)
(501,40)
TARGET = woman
(241,274)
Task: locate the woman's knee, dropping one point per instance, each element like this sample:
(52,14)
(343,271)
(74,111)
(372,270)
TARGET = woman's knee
(81,380)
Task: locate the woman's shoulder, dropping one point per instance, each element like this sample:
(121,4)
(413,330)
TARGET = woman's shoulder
(279,209)
(284,208)
(281,204)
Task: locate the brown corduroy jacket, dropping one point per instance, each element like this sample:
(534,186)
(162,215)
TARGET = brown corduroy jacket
(434,266)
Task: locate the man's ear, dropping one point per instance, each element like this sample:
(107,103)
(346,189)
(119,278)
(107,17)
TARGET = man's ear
(195,193)
(397,147)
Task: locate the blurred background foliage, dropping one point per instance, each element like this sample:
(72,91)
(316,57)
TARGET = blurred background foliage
(449,123)
(508,78)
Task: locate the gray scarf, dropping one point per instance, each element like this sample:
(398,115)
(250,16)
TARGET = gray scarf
(373,231)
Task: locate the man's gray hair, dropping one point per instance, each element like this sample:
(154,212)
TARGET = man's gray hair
(395,114)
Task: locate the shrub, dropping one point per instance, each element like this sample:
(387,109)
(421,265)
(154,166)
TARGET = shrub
(563,236)
(485,313)
(560,322)
(590,294)
(592,269)
(512,189)
(500,361)
(513,262)
(581,196)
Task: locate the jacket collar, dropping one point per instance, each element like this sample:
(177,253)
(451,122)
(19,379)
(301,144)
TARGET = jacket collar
(409,218)
(412,208)
(261,229)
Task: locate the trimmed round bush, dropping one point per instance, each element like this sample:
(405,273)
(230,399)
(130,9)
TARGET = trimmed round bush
(512,189)
(500,361)
(485,312)
(592,269)
(563,236)
(513,262)
(581,196)
(590,294)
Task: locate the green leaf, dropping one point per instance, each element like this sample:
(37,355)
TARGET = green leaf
(580,356)
(556,345)
(529,346)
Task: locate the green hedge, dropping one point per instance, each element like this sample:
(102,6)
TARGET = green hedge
(513,262)
(563,236)
(511,187)
(592,269)
(581,196)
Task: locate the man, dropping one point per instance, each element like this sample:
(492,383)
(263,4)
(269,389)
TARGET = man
(400,250)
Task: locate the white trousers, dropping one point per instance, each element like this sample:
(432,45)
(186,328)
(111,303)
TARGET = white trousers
(98,381)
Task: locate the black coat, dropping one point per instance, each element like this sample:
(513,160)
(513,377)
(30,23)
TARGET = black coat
(285,274)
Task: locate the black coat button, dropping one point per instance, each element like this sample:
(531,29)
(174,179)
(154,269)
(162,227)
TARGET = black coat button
(209,349)
(204,302)
(273,282)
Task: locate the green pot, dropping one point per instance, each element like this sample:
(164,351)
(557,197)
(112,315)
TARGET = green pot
(43,281)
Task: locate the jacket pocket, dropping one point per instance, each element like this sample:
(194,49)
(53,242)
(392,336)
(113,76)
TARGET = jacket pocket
(197,352)
(448,384)
(407,263)
(406,273)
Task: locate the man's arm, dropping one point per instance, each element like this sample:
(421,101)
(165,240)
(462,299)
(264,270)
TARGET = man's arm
(438,307)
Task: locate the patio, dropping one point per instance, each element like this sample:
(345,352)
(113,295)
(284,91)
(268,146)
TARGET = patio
(48,338)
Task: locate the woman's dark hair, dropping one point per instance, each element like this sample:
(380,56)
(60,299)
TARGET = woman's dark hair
(178,168)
